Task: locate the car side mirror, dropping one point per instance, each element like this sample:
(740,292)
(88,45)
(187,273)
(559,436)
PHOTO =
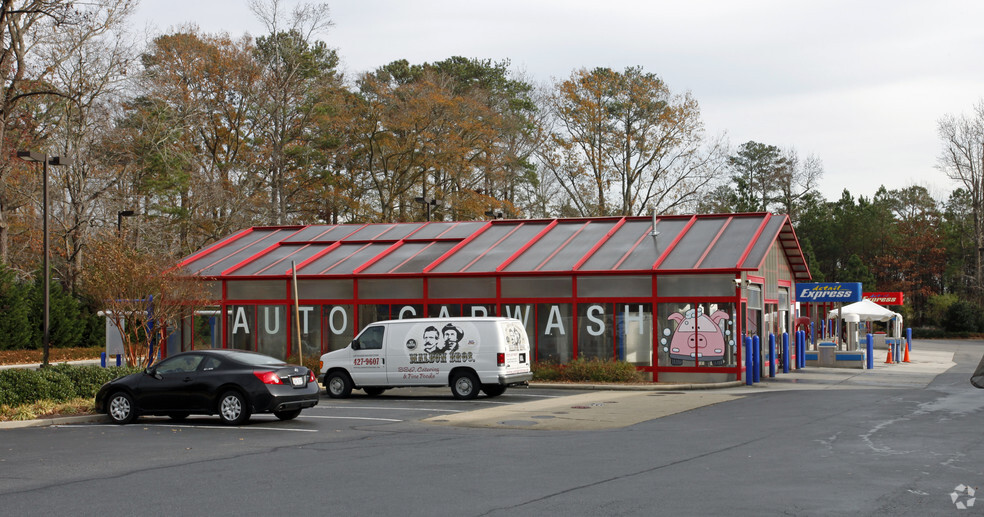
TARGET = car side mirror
(152,371)
(355,345)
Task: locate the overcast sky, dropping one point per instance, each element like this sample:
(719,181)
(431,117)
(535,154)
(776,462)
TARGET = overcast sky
(859,84)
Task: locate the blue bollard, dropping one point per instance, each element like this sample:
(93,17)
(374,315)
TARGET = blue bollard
(813,333)
(119,359)
(908,338)
(871,352)
(785,352)
(102,359)
(749,363)
(757,350)
(772,356)
(800,345)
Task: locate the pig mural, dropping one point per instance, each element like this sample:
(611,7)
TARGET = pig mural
(701,338)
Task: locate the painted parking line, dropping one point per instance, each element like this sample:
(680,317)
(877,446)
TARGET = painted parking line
(189,426)
(388,408)
(352,418)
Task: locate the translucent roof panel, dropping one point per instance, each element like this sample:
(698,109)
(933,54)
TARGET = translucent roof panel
(649,250)
(731,245)
(618,246)
(441,230)
(311,233)
(278,260)
(387,232)
(236,251)
(411,257)
(327,233)
(344,259)
(689,249)
(579,246)
(491,248)
(543,249)
(764,242)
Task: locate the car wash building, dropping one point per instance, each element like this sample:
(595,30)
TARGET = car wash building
(672,295)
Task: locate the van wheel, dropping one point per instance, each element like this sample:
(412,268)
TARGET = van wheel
(493,390)
(338,385)
(374,392)
(465,386)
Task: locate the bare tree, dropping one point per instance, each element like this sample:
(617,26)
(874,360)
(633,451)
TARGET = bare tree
(962,160)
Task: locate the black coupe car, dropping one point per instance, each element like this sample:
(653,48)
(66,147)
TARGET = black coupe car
(231,383)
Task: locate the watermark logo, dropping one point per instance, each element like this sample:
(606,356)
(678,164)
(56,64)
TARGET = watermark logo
(963,497)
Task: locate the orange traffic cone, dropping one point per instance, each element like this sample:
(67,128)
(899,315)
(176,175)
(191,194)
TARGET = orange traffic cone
(888,360)
(905,357)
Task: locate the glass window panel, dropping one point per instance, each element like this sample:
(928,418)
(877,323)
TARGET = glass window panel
(579,246)
(754,294)
(634,327)
(457,262)
(270,263)
(444,310)
(764,243)
(596,332)
(695,285)
(271,336)
(702,337)
(554,324)
(232,253)
(466,287)
(410,311)
(371,314)
(309,321)
(339,324)
(311,233)
(611,286)
(242,322)
(442,230)
(208,329)
(324,289)
(343,259)
(425,258)
(478,310)
(256,290)
(694,243)
(524,312)
(391,288)
(537,287)
(491,253)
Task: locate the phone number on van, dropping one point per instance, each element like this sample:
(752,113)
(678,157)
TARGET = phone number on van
(366,361)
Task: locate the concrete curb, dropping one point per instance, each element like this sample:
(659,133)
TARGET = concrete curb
(637,387)
(61,420)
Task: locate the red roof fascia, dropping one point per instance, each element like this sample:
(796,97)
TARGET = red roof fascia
(679,237)
(597,246)
(525,247)
(455,249)
(713,242)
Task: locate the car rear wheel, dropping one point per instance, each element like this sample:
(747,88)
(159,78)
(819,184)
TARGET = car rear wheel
(493,390)
(120,408)
(464,386)
(338,385)
(233,408)
(374,392)
(287,415)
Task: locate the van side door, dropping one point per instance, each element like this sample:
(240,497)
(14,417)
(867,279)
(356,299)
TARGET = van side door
(368,366)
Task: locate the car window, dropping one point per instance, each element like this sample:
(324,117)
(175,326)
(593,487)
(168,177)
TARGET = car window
(180,364)
(210,363)
(371,339)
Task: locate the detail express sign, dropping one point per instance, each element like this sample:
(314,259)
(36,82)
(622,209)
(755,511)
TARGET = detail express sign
(884,298)
(837,292)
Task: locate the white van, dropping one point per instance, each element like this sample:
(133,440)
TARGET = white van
(468,354)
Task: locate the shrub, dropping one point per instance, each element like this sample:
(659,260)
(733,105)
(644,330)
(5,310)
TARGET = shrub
(57,383)
(587,370)
(961,316)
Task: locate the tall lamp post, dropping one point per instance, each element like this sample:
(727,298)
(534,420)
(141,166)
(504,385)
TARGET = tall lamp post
(428,202)
(33,156)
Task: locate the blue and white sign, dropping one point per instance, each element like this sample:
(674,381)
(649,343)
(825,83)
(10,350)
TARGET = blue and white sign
(839,292)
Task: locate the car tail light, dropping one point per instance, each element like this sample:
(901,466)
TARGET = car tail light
(500,359)
(268,377)
(311,377)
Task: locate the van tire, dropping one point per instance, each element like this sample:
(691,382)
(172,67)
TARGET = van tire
(493,390)
(465,386)
(374,392)
(338,385)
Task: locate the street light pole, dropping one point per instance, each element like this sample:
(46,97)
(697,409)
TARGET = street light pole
(32,156)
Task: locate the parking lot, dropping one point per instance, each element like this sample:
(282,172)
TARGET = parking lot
(894,441)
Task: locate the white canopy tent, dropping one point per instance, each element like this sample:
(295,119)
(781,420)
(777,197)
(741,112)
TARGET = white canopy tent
(867,310)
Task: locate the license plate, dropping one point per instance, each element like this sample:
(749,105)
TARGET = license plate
(297,381)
